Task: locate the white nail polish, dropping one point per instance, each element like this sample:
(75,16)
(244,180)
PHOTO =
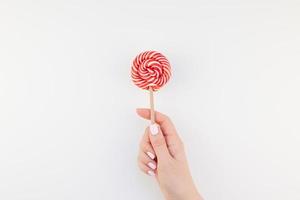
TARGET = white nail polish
(151,173)
(151,155)
(154,129)
(151,165)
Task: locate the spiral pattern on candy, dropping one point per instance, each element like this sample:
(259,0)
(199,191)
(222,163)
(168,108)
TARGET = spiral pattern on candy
(150,69)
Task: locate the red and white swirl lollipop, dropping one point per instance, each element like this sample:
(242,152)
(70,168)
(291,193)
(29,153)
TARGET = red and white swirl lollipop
(150,70)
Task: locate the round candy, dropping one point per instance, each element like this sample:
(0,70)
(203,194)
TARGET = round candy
(150,69)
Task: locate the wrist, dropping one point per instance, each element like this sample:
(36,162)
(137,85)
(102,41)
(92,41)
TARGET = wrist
(193,195)
(190,194)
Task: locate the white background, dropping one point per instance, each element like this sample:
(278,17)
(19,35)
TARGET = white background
(68,128)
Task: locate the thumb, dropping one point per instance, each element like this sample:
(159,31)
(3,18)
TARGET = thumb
(158,142)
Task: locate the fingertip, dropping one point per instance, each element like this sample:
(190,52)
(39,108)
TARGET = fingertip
(142,112)
(154,129)
(151,173)
(150,155)
(139,110)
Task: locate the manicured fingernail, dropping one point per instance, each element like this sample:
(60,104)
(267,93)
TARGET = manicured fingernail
(154,129)
(151,165)
(151,173)
(151,155)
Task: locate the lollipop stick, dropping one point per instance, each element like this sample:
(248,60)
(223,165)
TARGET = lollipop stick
(152,114)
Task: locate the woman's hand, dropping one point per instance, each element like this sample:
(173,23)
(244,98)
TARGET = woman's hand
(162,155)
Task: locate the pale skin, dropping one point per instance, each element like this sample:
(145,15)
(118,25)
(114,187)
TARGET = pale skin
(162,155)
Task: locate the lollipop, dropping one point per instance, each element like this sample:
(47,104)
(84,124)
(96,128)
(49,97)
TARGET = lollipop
(150,71)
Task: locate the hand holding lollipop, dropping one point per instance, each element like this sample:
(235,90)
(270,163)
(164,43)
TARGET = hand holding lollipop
(161,151)
(150,71)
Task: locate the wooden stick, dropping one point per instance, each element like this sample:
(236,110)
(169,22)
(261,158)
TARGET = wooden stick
(152,112)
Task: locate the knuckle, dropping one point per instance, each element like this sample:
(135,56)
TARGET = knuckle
(140,163)
(145,171)
(146,130)
(141,144)
(138,158)
(176,149)
(168,119)
(180,143)
(141,166)
(144,147)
